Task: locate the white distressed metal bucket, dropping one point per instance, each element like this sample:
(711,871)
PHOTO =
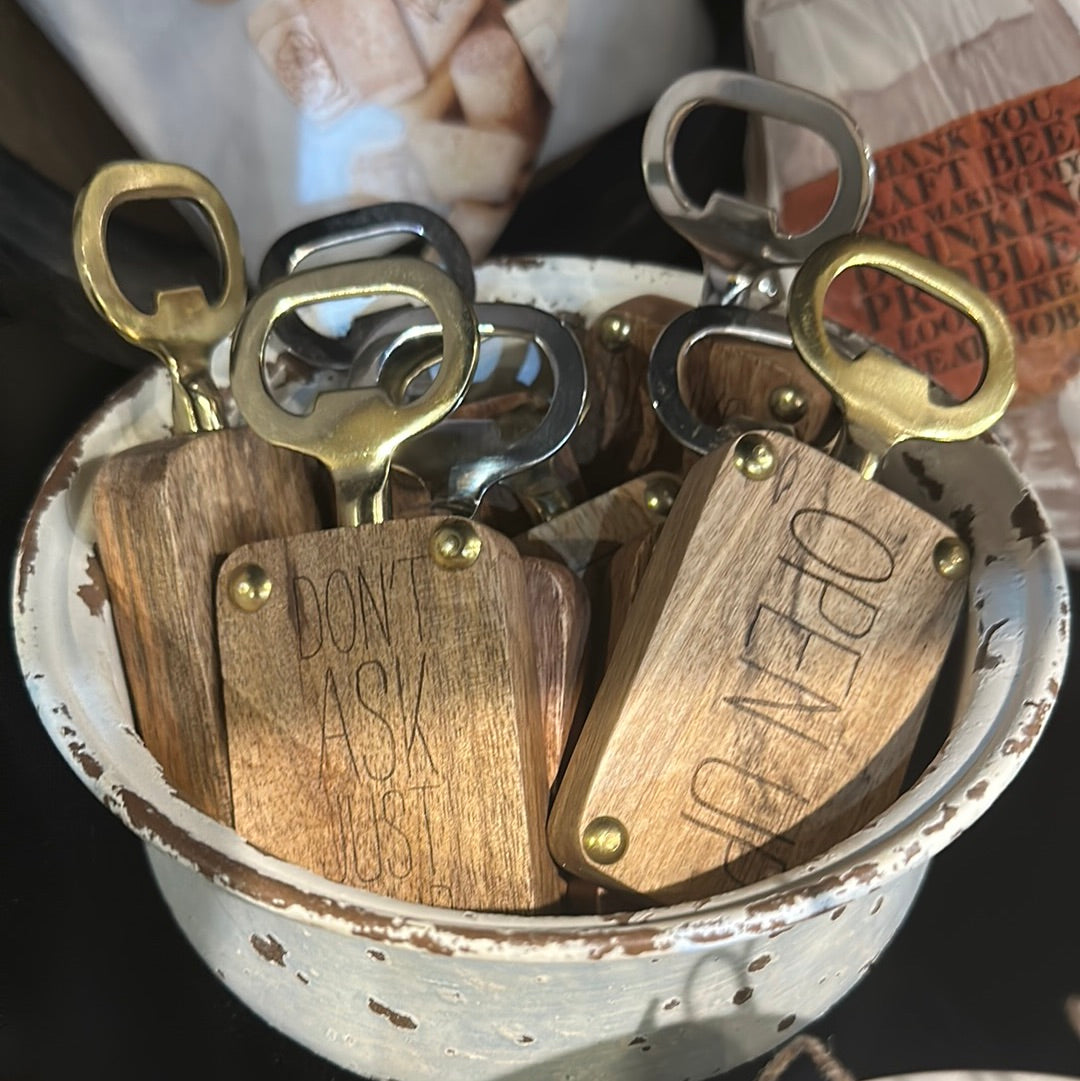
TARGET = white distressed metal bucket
(396,990)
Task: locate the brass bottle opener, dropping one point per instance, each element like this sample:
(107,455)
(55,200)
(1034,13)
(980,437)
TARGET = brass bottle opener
(360,225)
(759,704)
(741,243)
(380,687)
(463,459)
(166,512)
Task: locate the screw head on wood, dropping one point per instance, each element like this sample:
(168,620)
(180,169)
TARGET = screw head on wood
(788,404)
(951,558)
(754,457)
(614,333)
(455,545)
(605,840)
(660,495)
(249,587)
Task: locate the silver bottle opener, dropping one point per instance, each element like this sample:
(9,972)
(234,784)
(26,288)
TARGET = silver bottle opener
(354,227)
(462,459)
(740,242)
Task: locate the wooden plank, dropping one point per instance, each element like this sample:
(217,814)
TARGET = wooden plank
(383,716)
(167,513)
(625,572)
(766,690)
(620,435)
(726,377)
(559,610)
(585,537)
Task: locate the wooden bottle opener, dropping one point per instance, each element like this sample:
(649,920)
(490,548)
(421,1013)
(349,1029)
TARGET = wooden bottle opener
(380,685)
(619,437)
(757,708)
(167,512)
(464,459)
(585,539)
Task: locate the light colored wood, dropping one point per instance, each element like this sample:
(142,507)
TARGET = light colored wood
(167,513)
(585,539)
(559,608)
(724,378)
(383,717)
(620,435)
(625,573)
(767,685)
(587,536)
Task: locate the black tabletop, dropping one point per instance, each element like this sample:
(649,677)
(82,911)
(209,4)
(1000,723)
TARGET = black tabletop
(97,982)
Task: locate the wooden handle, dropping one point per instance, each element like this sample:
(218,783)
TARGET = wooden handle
(588,535)
(766,689)
(728,377)
(166,515)
(383,714)
(620,436)
(559,607)
(625,572)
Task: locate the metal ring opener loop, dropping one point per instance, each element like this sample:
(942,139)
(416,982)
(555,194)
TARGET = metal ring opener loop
(884,402)
(671,348)
(731,232)
(474,453)
(350,227)
(184,327)
(355,432)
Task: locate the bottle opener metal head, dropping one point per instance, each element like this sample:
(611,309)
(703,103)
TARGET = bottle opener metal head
(670,353)
(317,238)
(463,459)
(884,402)
(795,660)
(739,240)
(355,432)
(184,327)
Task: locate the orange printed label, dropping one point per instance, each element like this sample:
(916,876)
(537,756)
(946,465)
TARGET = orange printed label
(996,196)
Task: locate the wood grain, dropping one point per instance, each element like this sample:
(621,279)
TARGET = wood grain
(723,378)
(588,535)
(625,572)
(765,691)
(167,513)
(383,717)
(620,435)
(585,539)
(559,609)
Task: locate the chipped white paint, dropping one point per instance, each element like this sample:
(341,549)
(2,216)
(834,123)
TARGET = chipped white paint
(398,990)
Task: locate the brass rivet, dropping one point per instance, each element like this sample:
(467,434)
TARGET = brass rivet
(951,558)
(455,545)
(788,404)
(614,333)
(605,840)
(249,587)
(755,457)
(660,495)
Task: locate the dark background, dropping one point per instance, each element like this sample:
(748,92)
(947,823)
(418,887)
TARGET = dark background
(97,982)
